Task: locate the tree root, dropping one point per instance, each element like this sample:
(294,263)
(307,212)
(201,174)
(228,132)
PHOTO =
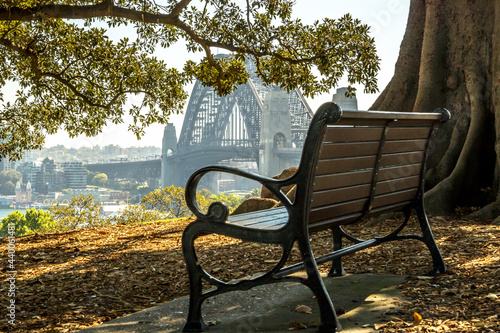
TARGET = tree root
(488,212)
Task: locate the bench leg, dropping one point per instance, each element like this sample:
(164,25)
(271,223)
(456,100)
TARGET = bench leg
(337,269)
(329,321)
(428,239)
(194,320)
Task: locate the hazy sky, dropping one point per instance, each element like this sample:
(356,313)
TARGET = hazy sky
(387,19)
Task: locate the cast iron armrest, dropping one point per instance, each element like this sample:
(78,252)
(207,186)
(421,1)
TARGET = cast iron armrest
(219,211)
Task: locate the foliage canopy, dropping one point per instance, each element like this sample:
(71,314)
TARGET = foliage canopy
(8,180)
(33,221)
(71,75)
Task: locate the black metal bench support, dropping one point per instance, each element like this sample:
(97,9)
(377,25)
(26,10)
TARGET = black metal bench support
(313,211)
(337,268)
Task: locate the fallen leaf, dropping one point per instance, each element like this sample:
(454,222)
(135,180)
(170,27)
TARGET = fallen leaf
(492,297)
(417,318)
(303,308)
(297,325)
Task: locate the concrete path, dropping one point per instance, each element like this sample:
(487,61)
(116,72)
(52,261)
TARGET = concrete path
(366,300)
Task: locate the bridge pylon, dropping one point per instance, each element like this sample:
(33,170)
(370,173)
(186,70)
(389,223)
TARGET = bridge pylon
(275,133)
(169,148)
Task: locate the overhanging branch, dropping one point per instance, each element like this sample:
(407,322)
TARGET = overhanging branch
(102,9)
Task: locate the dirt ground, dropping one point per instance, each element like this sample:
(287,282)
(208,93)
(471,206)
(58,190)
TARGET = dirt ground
(68,281)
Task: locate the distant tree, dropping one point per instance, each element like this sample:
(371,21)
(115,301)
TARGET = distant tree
(9,188)
(33,221)
(254,194)
(205,193)
(82,211)
(100,179)
(169,200)
(231,200)
(139,214)
(17,218)
(143,189)
(91,175)
(73,76)
(8,179)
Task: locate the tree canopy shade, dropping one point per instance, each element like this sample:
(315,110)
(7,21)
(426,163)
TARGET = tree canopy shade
(450,57)
(73,76)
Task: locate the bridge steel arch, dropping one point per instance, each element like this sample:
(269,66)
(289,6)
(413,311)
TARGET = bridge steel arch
(208,125)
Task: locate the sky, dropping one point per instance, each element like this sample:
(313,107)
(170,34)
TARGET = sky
(387,19)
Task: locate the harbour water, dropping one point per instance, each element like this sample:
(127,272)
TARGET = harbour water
(6,211)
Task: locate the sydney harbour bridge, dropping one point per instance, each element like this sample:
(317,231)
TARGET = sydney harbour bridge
(257,123)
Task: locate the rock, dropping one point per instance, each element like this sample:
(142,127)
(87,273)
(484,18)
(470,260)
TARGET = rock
(287,173)
(267,200)
(255,204)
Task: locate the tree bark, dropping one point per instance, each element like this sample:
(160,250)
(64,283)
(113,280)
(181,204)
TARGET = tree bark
(450,57)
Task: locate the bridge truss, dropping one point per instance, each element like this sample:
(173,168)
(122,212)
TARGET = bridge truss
(234,120)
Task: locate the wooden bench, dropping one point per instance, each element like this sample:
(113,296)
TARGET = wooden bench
(354,165)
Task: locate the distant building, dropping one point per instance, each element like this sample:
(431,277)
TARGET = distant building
(6,201)
(345,103)
(75,174)
(99,195)
(6,164)
(50,178)
(29,171)
(112,150)
(23,194)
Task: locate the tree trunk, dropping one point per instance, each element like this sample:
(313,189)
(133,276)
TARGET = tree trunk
(450,57)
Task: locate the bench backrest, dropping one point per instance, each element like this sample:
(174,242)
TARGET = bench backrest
(364,162)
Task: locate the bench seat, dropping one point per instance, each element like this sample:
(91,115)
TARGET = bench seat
(268,219)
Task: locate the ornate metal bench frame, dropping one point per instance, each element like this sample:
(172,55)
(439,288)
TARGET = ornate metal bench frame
(300,219)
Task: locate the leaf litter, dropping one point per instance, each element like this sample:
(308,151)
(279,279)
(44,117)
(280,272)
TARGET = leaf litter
(67,281)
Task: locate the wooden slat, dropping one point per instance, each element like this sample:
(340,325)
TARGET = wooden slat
(328,212)
(382,122)
(324,198)
(338,134)
(261,219)
(325,167)
(392,115)
(346,219)
(252,215)
(404,146)
(345,208)
(330,197)
(401,171)
(394,198)
(338,180)
(353,134)
(275,224)
(397,185)
(332,166)
(402,159)
(408,133)
(327,182)
(338,150)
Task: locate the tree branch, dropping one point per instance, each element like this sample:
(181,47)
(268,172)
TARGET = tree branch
(102,9)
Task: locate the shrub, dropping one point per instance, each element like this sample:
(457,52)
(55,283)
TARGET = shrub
(33,221)
(82,211)
(139,214)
